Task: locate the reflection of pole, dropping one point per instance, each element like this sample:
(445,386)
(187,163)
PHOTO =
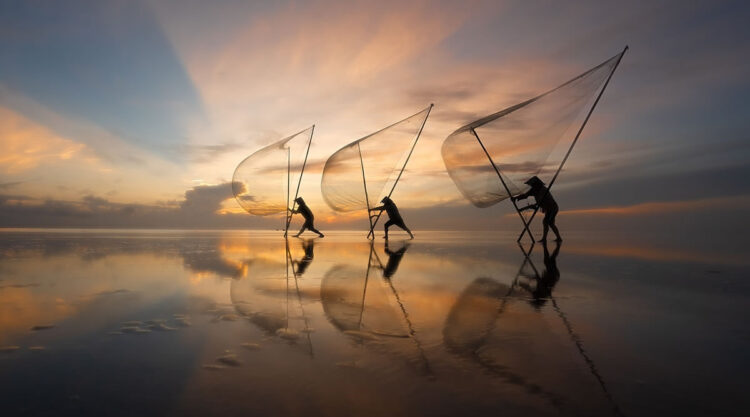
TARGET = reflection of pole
(592,367)
(412,332)
(575,140)
(576,340)
(299,298)
(525,225)
(364,182)
(286,326)
(419,133)
(364,291)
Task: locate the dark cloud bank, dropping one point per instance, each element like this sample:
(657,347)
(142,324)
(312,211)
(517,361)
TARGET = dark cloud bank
(198,209)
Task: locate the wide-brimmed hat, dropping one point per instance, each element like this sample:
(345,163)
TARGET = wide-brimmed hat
(533,181)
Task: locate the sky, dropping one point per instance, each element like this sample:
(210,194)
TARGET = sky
(136,113)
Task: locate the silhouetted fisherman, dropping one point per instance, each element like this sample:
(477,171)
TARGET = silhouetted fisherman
(548,279)
(394,217)
(544,202)
(308,215)
(394,259)
(308,246)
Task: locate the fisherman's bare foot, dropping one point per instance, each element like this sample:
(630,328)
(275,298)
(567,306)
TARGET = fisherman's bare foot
(411,236)
(321,235)
(297,235)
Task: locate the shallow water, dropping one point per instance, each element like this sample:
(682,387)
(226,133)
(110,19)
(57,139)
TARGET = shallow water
(238,323)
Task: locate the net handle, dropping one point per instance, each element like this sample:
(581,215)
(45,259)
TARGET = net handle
(299,182)
(570,149)
(416,139)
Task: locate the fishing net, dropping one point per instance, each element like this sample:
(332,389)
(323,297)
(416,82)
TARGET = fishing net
(361,173)
(530,138)
(267,182)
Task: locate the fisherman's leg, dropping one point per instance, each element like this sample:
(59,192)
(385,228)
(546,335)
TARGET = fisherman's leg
(313,229)
(388,224)
(402,225)
(554,229)
(545,224)
(306,225)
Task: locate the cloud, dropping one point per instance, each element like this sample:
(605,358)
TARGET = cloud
(200,154)
(27,145)
(665,207)
(7,185)
(206,199)
(201,207)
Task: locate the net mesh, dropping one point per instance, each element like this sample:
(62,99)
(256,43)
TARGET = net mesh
(372,163)
(266,182)
(522,141)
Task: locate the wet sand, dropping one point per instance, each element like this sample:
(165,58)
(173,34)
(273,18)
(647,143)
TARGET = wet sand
(243,323)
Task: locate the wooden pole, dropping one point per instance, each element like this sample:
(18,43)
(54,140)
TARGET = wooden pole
(497,171)
(419,133)
(299,182)
(288,182)
(575,140)
(367,198)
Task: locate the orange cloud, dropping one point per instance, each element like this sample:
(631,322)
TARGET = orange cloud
(654,253)
(26,144)
(666,207)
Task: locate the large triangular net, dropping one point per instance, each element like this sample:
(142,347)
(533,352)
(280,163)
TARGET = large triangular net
(268,181)
(361,173)
(527,139)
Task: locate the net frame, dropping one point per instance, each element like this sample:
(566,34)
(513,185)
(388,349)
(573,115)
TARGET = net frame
(239,186)
(471,127)
(333,161)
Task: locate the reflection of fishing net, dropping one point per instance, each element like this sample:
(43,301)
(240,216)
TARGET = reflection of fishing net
(355,301)
(361,173)
(267,181)
(530,138)
(261,294)
(473,316)
(269,298)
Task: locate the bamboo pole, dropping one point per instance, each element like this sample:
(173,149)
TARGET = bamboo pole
(575,140)
(299,181)
(419,133)
(364,183)
(497,171)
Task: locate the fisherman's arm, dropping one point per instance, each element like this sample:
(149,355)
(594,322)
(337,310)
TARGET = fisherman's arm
(521,196)
(380,208)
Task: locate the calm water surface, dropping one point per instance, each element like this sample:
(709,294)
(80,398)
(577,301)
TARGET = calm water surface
(243,323)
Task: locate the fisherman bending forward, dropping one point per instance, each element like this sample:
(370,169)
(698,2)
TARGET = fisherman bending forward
(394,217)
(544,202)
(308,215)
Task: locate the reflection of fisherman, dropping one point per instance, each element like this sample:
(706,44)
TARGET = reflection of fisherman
(546,282)
(394,259)
(308,215)
(394,217)
(302,264)
(544,202)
